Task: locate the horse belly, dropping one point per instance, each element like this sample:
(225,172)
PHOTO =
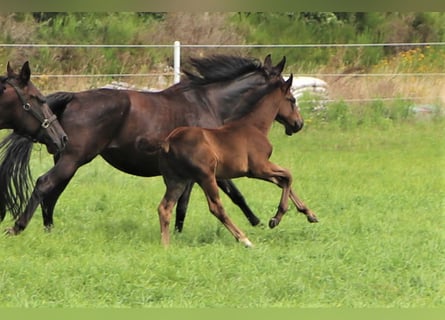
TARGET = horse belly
(232,162)
(232,169)
(132,161)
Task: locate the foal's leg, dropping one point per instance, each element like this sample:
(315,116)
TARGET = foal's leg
(283,178)
(311,217)
(280,176)
(237,198)
(229,188)
(175,188)
(210,188)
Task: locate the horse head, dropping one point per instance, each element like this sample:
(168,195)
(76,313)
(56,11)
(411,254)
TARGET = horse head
(23,108)
(289,112)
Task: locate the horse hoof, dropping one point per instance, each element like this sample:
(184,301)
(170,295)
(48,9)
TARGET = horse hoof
(312,219)
(10,232)
(247,243)
(255,222)
(260,225)
(273,222)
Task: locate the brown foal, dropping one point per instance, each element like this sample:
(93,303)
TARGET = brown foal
(237,149)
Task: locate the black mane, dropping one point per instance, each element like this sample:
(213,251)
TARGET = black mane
(219,68)
(250,101)
(57,101)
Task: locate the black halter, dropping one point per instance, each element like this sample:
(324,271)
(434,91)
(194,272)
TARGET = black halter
(45,123)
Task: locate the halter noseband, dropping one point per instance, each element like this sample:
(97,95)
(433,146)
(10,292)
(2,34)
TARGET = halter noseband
(45,123)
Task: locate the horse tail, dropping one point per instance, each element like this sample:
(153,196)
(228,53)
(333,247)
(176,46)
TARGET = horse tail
(15,175)
(142,144)
(165,146)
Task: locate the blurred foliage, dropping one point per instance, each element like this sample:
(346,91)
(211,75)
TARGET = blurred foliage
(160,28)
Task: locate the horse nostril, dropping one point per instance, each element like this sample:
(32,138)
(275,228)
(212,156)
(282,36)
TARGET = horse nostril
(65,139)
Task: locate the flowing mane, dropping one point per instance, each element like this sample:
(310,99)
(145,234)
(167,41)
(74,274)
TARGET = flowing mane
(235,81)
(218,68)
(249,101)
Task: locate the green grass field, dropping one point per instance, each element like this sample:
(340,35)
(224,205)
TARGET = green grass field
(378,191)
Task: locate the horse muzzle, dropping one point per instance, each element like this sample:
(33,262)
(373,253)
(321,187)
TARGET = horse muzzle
(290,129)
(54,137)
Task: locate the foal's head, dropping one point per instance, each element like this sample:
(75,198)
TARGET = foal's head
(23,108)
(288,110)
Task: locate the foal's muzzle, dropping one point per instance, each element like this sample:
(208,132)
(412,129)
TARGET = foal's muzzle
(290,129)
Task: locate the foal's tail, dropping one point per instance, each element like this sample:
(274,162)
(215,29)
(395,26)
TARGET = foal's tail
(15,175)
(142,144)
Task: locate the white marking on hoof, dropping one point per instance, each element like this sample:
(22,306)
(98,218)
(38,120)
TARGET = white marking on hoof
(247,243)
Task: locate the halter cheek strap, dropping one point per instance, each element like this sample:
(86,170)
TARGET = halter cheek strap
(44,122)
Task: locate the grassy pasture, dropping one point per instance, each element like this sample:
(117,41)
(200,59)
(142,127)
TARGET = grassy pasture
(378,191)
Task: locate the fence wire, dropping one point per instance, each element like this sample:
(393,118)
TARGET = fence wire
(170,72)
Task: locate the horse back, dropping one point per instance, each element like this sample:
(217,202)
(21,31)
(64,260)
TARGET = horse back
(223,152)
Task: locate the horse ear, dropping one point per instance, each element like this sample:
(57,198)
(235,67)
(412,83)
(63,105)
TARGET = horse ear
(9,70)
(268,62)
(280,66)
(267,65)
(288,83)
(25,73)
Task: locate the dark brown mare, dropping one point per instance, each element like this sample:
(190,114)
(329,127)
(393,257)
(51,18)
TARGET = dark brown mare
(237,149)
(111,123)
(24,110)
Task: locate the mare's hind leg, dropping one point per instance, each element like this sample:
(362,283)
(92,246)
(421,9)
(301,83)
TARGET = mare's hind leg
(237,198)
(210,188)
(181,207)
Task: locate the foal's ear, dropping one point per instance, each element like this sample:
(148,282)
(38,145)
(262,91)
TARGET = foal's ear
(25,73)
(288,84)
(280,66)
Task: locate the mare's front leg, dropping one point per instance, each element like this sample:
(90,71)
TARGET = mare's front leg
(237,198)
(43,189)
(48,204)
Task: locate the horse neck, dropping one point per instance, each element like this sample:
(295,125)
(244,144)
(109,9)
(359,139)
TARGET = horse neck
(262,114)
(9,116)
(227,99)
